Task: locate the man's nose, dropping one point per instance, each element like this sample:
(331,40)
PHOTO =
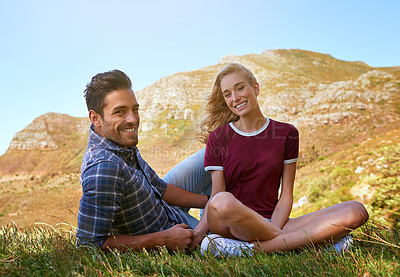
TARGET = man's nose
(132,117)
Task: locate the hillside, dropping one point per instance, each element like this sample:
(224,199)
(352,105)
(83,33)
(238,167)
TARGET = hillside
(52,143)
(348,115)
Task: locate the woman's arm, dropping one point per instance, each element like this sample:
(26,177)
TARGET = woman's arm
(284,206)
(218,182)
(218,185)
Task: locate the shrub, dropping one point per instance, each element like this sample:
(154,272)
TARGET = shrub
(342,176)
(318,188)
(387,198)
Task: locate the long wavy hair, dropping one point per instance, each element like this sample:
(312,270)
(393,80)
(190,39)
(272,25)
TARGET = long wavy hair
(217,112)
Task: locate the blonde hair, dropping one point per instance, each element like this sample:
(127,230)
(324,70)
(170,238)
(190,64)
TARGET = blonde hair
(217,112)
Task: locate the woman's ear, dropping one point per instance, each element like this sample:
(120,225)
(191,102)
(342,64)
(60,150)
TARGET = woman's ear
(257,88)
(95,118)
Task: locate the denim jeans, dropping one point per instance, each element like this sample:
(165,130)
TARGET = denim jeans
(190,175)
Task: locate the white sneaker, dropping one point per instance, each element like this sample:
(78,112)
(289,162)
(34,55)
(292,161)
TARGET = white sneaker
(343,245)
(217,245)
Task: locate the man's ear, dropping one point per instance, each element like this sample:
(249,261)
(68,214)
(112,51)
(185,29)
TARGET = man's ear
(95,118)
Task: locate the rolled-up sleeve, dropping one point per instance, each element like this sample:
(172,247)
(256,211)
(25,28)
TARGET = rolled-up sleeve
(102,196)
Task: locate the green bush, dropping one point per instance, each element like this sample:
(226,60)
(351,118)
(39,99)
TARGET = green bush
(318,188)
(387,198)
(342,175)
(391,161)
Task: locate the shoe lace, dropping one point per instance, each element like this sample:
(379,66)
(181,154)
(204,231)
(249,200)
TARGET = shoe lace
(232,247)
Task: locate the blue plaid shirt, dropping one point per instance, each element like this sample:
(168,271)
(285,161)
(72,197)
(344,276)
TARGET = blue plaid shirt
(121,194)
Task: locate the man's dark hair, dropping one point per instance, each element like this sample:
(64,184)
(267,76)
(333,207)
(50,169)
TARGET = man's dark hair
(101,85)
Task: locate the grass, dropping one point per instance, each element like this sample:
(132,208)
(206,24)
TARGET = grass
(50,251)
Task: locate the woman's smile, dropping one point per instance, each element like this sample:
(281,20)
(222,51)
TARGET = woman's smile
(241,105)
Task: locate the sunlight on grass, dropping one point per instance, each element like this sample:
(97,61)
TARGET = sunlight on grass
(50,250)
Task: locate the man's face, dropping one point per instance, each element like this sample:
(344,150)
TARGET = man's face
(120,120)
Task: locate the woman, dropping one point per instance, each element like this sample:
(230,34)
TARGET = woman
(250,157)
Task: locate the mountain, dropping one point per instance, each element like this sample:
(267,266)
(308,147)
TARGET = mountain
(332,102)
(347,113)
(51,143)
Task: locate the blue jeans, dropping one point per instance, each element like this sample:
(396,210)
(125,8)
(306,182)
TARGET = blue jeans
(190,175)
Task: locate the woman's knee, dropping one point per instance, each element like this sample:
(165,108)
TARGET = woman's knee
(222,204)
(356,213)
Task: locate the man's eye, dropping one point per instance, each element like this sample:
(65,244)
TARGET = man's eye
(240,88)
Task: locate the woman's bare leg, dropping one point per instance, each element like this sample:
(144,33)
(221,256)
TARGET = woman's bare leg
(229,218)
(329,224)
(353,214)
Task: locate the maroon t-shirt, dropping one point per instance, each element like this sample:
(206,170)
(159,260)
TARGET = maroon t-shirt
(253,162)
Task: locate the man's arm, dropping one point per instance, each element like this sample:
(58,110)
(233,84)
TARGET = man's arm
(177,237)
(177,196)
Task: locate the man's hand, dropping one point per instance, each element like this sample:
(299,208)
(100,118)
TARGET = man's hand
(178,237)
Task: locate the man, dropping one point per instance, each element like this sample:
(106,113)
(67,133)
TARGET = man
(124,203)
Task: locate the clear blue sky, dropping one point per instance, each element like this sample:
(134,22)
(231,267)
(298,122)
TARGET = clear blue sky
(50,49)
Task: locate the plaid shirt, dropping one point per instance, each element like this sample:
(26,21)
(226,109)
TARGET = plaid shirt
(121,194)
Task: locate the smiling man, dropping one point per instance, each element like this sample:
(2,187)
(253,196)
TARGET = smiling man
(124,203)
(119,121)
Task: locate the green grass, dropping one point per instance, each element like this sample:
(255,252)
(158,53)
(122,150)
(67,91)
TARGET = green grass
(51,251)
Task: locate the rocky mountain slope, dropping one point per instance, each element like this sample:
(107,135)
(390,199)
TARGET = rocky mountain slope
(302,87)
(346,112)
(51,143)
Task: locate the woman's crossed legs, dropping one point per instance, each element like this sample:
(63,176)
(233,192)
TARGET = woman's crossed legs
(228,217)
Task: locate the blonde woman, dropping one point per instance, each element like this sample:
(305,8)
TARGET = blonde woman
(251,157)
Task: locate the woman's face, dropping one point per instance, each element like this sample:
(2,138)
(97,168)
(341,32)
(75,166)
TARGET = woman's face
(239,95)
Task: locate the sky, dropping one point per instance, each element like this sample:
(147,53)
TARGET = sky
(50,49)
